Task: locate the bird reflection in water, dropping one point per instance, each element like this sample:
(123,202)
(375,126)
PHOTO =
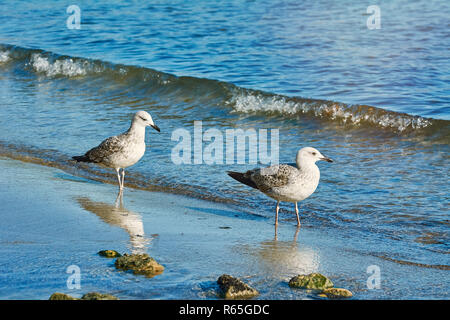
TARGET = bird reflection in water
(285,258)
(118,215)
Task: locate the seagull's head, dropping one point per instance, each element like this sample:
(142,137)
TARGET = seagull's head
(145,119)
(309,154)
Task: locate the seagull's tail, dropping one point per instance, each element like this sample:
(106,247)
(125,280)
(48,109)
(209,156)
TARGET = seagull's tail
(81,159)
(243,178)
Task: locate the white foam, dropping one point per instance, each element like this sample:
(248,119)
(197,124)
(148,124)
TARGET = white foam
(66,67)
(4,56)
(248,102)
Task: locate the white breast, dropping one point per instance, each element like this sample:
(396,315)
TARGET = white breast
(131,154)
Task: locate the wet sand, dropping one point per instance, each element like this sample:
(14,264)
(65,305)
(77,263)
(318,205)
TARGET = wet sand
(52,220)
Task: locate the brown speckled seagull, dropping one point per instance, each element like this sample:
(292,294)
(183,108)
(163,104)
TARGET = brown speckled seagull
(124,150)
(284,182)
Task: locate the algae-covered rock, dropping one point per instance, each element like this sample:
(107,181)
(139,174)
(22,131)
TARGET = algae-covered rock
(233,288)
(336,293)
(87,296)
(61,296)
(98,296)
(314,281)
(139,264)
(109,253)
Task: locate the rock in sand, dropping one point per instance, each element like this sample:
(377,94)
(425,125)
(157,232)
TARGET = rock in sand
(315,281)
(233,288)
(139,264)
(109,253)
(336,293)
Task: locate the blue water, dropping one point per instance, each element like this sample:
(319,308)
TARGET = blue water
(313,49)
(376,101)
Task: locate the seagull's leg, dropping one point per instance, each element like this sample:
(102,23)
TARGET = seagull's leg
(118,178)
(296,211)
(276,213)
(123,177)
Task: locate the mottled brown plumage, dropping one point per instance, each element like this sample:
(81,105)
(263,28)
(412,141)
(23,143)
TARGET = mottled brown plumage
(274,176)
(105,149)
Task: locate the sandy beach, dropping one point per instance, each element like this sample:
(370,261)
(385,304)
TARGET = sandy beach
(52,220)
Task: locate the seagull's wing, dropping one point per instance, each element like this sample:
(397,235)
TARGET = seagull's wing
(273,176)
(105,149)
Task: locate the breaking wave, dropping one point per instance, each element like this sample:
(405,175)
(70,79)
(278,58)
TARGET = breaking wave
(247,102)
(224,94)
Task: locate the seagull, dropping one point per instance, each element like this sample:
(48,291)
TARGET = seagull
(285,182)
(124,150)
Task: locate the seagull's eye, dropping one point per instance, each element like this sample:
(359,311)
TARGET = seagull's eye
(314,153)
(143,118)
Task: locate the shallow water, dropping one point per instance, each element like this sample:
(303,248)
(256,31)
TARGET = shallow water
(42,237)
(376,101)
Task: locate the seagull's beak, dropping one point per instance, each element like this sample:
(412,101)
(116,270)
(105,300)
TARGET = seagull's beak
(154,126)
(326,159)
